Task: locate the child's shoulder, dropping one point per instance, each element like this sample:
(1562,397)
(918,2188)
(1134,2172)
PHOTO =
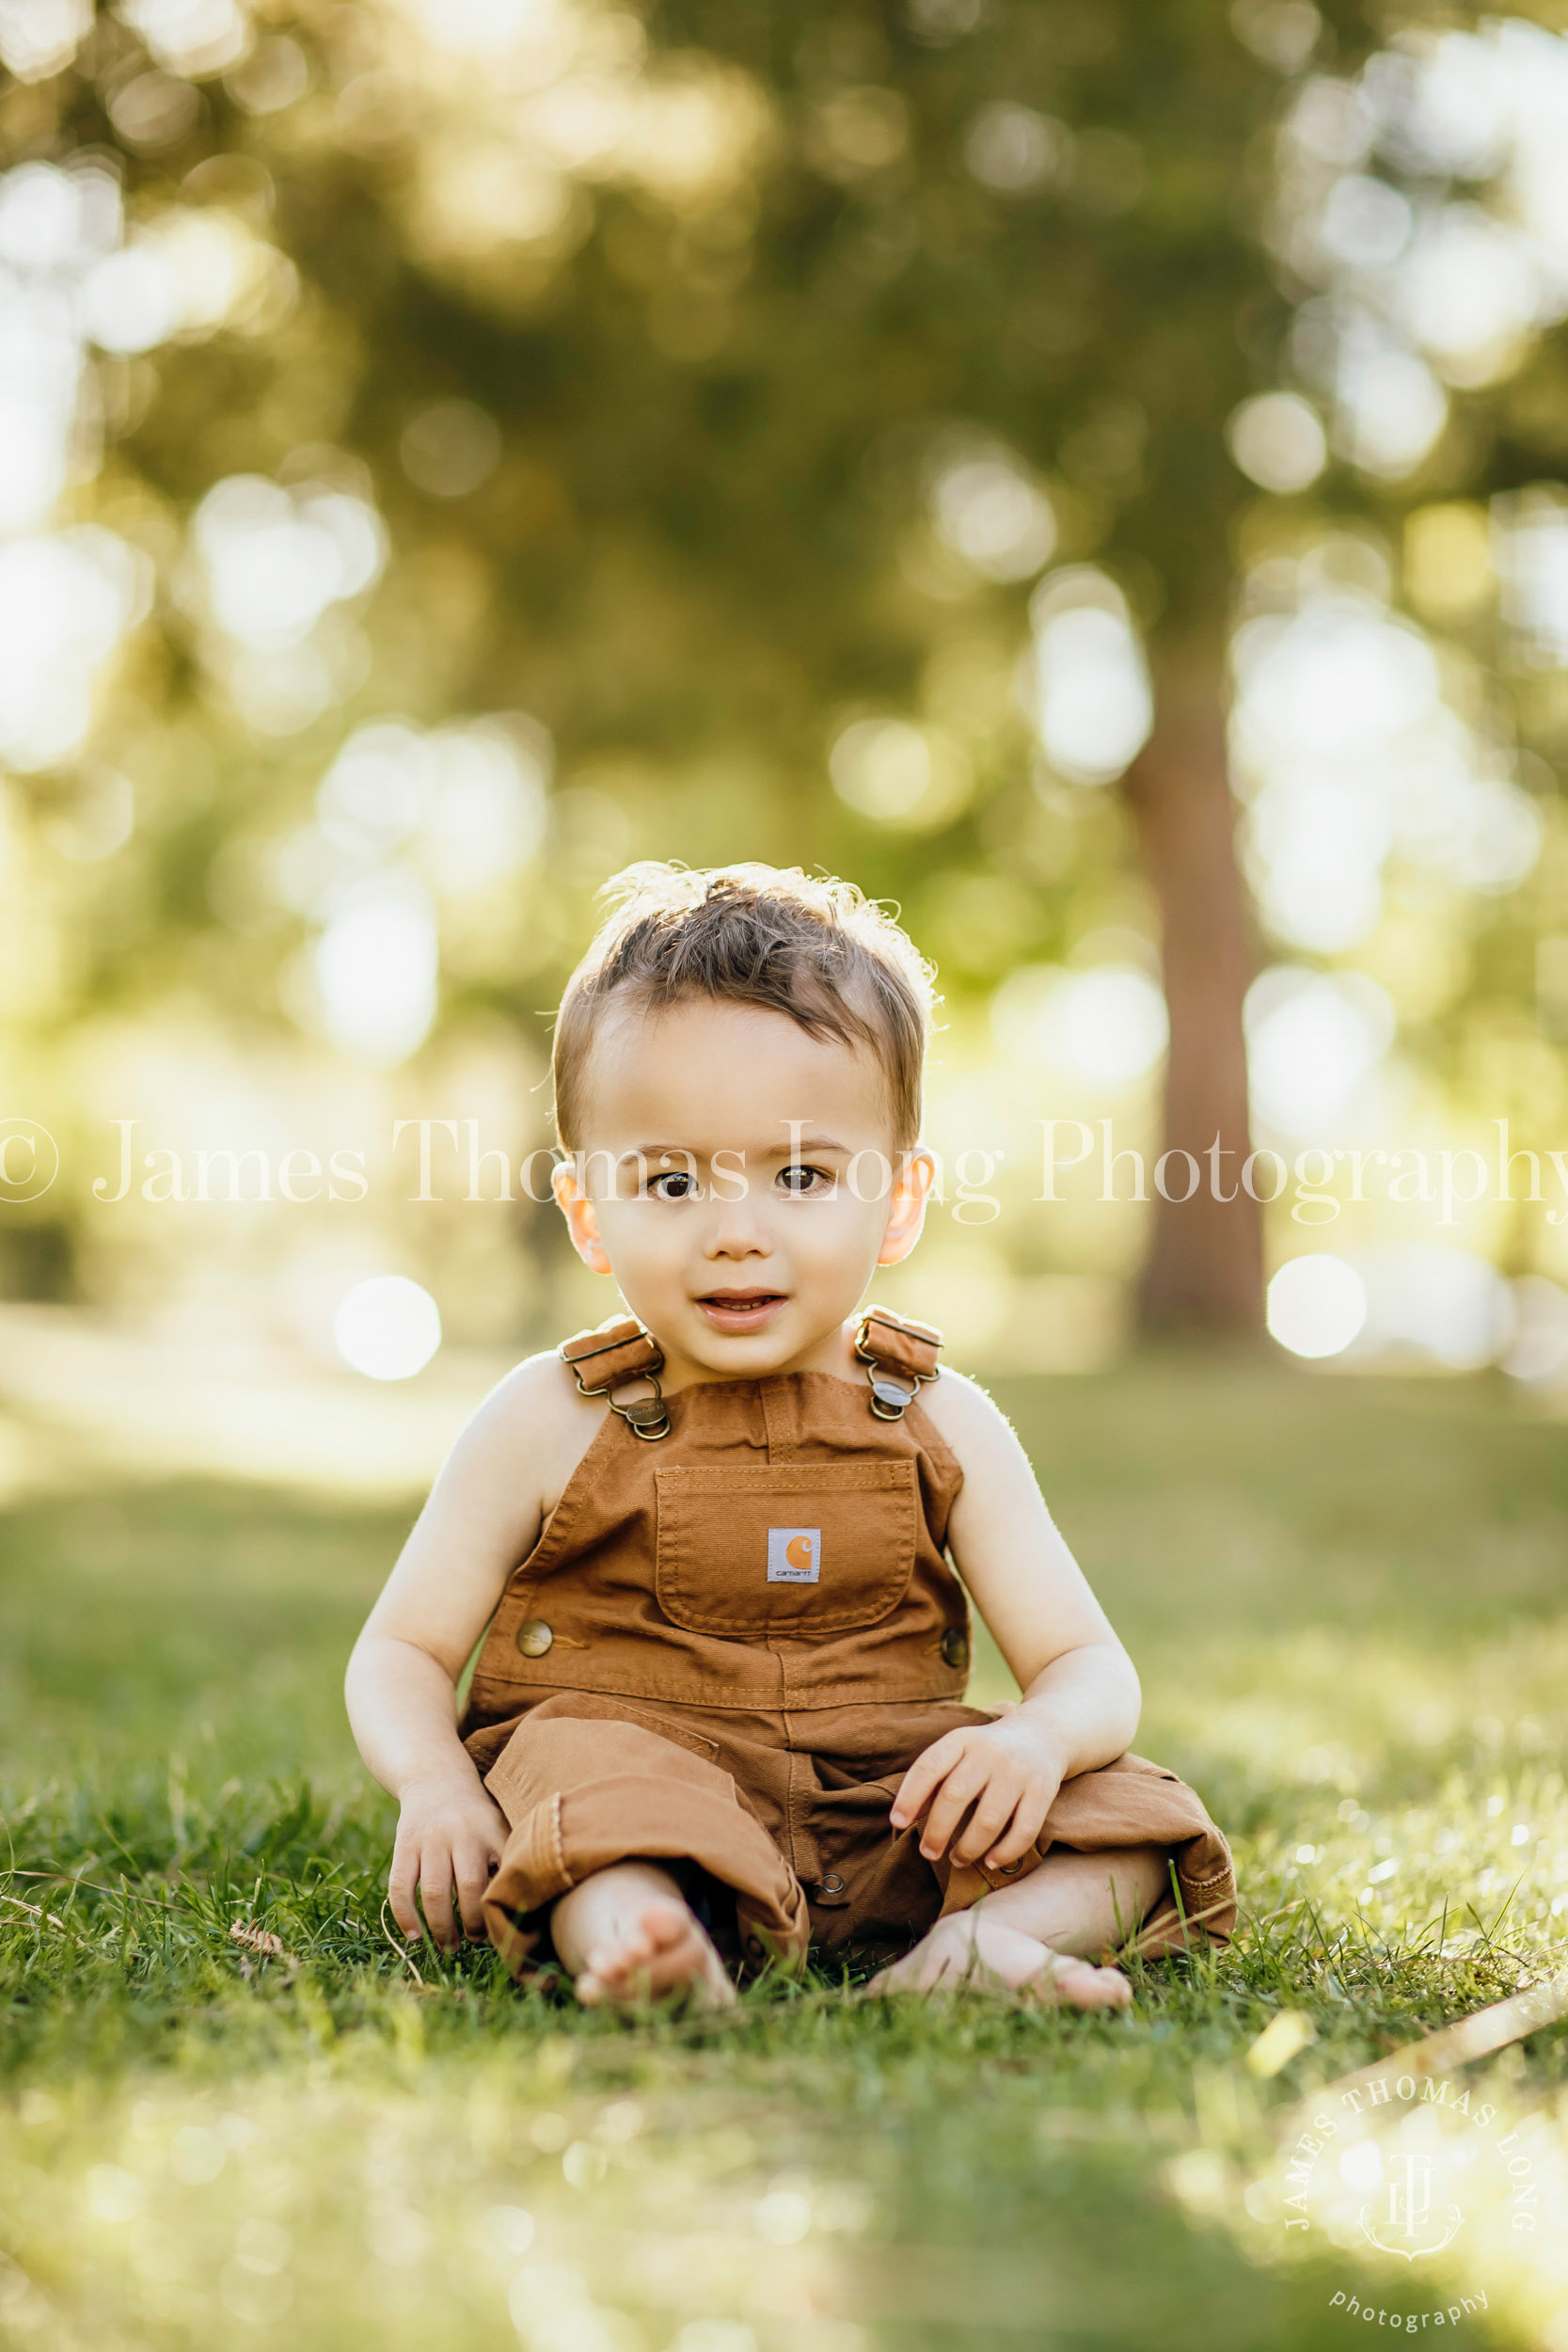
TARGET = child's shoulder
(541,1396)
(534,1424)
(969,1422)
(542,1384)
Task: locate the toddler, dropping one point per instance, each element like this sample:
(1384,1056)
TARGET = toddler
(715,1547)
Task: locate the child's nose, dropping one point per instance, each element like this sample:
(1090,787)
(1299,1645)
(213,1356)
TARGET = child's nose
(737,1233)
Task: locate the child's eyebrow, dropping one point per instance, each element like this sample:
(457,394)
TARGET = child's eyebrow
(650,1153)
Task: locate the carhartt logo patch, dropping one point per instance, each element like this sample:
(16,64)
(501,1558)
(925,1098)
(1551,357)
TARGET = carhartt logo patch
(794,1555)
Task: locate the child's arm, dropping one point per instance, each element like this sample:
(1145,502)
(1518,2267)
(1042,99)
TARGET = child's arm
(483,1515)
(1081,1696)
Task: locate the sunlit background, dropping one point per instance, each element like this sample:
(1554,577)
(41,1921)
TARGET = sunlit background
(449,447)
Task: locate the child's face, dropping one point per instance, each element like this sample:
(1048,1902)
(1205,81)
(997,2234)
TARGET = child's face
(740,1180)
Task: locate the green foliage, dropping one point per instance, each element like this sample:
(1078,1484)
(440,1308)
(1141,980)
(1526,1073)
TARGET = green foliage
(706,541)
(721,374)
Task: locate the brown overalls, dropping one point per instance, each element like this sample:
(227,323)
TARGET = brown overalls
(736,1633)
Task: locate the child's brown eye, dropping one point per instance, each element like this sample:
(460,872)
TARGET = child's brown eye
(798,1179)
(675,1185)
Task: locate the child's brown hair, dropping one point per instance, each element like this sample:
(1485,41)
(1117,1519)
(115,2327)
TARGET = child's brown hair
(765,935)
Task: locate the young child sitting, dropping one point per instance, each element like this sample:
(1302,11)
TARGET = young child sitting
(717,1714)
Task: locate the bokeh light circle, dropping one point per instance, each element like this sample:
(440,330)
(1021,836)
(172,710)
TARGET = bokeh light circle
(1278,441)
(1316,1305)
(388,1328)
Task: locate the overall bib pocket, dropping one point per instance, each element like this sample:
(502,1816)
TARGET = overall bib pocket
(796,1550)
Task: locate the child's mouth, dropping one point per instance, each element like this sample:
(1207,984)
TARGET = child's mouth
(740,1311)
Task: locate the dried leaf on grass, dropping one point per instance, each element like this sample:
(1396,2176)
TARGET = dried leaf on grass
(260,1940)
(34,1911)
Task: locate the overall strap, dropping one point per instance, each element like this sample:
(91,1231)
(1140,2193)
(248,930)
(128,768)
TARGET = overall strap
(898,1354)
(608,1357)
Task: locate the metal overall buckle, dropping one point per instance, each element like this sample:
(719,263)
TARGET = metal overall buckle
(644,1416)
(890,1398)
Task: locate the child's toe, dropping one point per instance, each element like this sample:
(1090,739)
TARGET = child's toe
(1085,1986)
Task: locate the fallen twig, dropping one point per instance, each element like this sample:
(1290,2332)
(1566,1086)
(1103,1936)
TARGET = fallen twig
(66,1878)
(1478,2036)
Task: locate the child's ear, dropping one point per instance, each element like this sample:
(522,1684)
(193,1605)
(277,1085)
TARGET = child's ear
(572,1201)
(913,1174)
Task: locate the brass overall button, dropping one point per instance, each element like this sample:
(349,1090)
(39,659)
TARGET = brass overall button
(535,1638)
(954,1648)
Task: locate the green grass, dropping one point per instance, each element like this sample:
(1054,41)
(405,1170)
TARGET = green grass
(1346,1599)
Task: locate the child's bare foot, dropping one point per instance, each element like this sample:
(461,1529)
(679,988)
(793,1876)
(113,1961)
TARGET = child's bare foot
(660,1950)
(967,1952)
(626,1936)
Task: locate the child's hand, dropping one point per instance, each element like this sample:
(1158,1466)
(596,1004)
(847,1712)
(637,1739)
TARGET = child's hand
(450,1834)
(1008,1771)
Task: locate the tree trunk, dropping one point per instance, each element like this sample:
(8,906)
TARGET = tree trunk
(1204,1271)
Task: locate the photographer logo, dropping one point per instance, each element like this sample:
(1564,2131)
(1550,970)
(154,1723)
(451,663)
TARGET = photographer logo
(1410,2225)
